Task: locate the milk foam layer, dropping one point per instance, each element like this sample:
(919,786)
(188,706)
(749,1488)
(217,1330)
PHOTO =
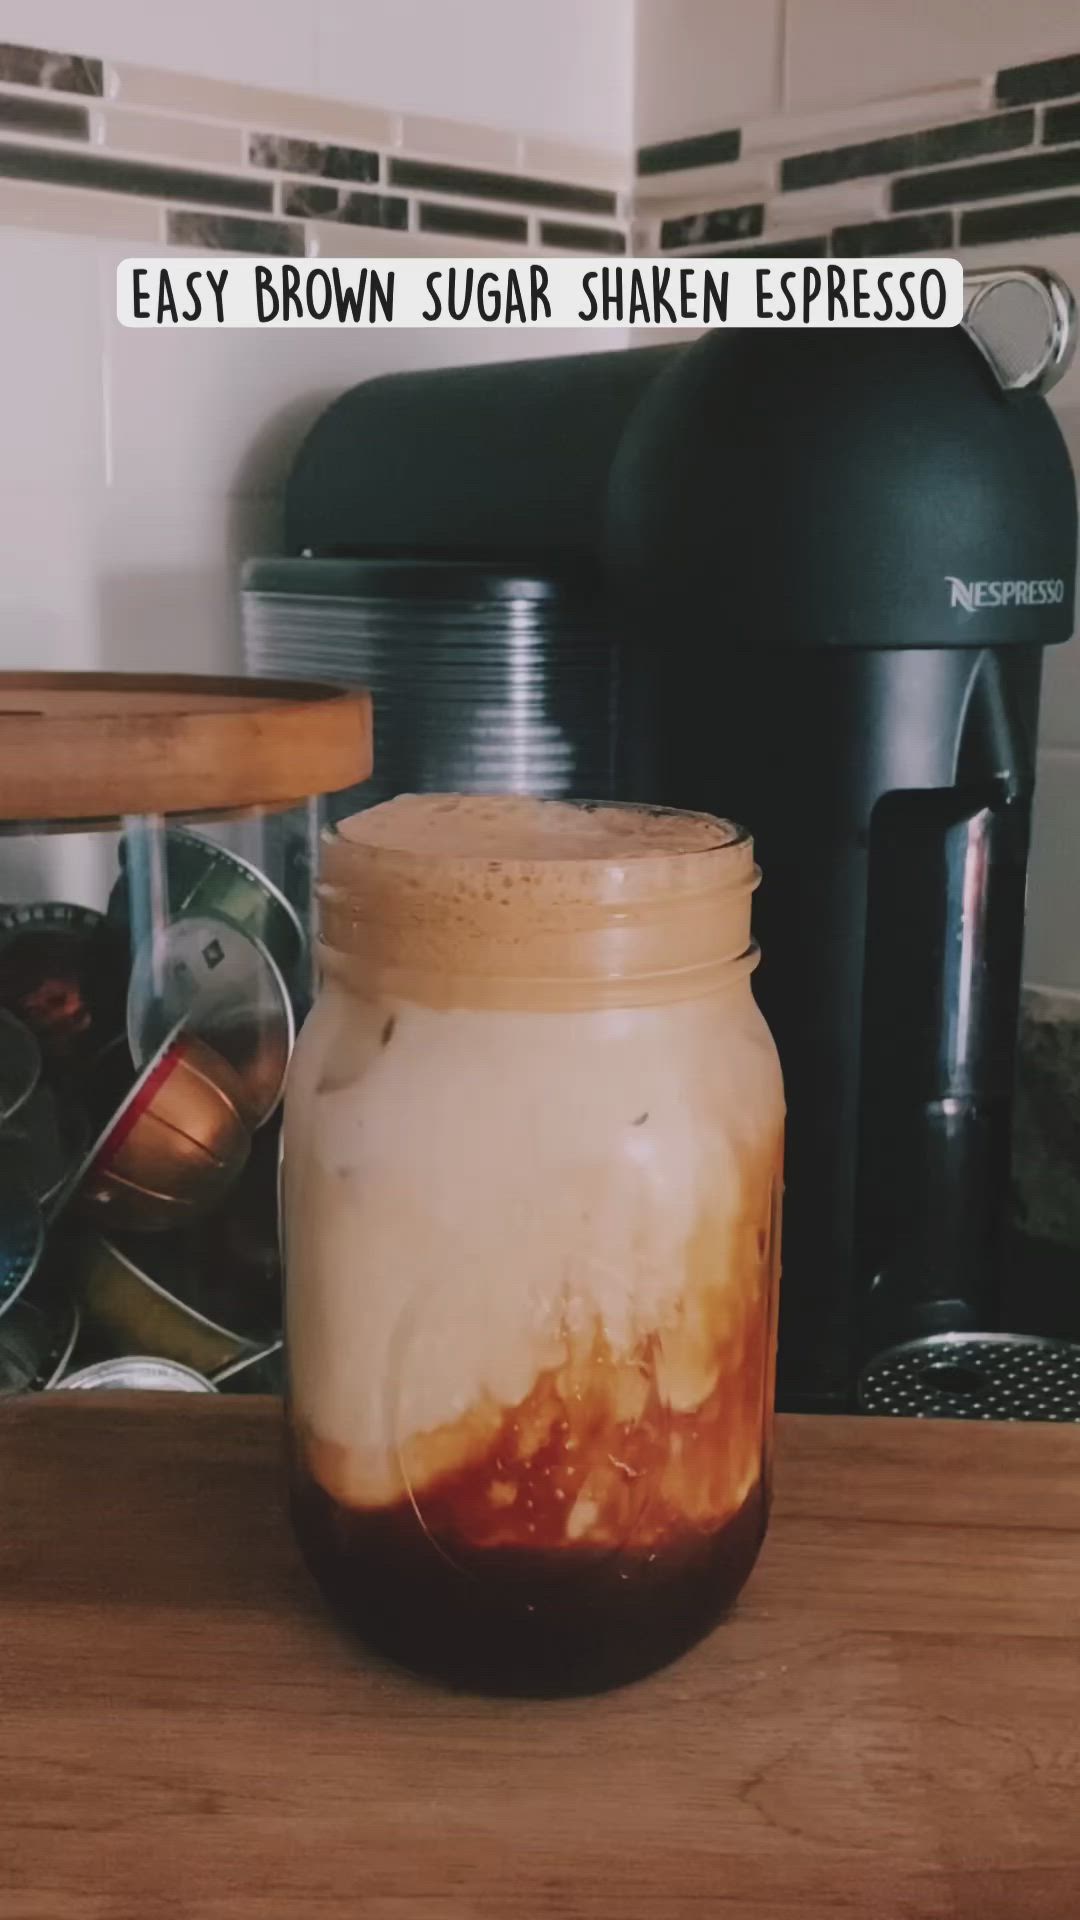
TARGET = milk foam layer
(512,827)
(515,902)
(534,1232)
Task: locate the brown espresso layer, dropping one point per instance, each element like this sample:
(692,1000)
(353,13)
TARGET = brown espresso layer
(526,1621)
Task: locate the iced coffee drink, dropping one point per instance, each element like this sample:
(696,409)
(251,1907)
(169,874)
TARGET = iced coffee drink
(532,1185)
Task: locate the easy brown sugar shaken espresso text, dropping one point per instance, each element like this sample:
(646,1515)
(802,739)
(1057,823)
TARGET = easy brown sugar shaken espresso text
(533,1148)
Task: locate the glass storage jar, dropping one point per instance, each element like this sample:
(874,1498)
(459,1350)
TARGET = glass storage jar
(532,1173)
(155,880)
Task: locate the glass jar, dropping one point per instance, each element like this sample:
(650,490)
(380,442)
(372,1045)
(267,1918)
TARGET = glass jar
(533,1142)
(155,880)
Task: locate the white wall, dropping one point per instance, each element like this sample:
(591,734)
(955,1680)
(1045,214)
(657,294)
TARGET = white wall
(843,51)
(140,468)
(562,68)
(701,65)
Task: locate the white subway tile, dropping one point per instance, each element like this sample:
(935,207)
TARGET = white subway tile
(429,137)
(74,210)
(339,239)
(817,209)
(1052,947)
(165,137)
(257,107)
(851,50)
(727,185)
(702,65)
(868,119)
(585,166)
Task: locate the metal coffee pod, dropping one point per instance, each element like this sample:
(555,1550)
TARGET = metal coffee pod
(46,1141)
(206,881)
(228,1265)
(152,1294)
(63,971)
(172,1146)
(20,1065)
(262,1372)
(137,1372)
(37,1339)
(22,1229)
(224,986)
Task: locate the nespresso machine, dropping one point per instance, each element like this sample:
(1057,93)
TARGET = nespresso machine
(835,559)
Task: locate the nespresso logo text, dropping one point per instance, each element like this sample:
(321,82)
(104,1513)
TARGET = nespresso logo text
(973,595)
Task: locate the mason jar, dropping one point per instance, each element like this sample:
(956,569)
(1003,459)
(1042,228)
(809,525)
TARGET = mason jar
(532,1176)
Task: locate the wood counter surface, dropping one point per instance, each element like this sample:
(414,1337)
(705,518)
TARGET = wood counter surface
(889,1725)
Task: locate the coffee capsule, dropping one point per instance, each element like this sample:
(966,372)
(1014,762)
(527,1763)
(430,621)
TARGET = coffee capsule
(46,1141)
(63,972)
(223,986)
(37,1339)
(227,1265)
(206,881)
(180,1295)
(138,1372)
(20,1065)
(174,1140)
(22,1229)
(262,1372)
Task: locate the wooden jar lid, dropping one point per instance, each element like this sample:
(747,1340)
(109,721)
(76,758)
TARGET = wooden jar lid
(94,746)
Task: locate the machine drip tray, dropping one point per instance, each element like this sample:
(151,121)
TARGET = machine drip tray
(975,1376)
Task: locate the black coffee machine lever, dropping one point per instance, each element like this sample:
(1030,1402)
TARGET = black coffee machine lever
(835,559)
